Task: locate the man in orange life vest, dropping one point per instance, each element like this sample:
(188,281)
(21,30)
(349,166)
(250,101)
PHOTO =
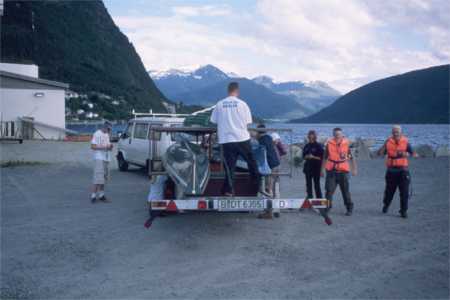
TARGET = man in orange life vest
(397,149)
(338,162)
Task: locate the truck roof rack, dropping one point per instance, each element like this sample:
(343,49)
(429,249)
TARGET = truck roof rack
(152,114)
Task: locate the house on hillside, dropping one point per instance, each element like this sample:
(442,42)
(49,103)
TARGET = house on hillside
(30,107)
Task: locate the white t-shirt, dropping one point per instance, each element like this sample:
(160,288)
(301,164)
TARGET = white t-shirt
(232,115)
(101,139)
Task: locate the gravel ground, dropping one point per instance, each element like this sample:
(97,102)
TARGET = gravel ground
(56,245)
(48,152)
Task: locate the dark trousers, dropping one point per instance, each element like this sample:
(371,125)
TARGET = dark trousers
(334,179)
(310,178)
(231,152)
(400,180)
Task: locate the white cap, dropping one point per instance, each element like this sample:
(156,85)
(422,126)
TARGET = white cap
(275,136)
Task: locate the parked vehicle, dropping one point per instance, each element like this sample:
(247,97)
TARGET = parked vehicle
(135,146)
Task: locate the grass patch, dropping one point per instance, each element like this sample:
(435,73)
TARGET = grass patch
(18,163)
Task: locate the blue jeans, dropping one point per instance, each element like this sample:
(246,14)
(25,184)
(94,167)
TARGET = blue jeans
(231,152)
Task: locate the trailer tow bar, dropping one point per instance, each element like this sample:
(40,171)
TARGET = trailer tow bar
(324,213)
(153,216)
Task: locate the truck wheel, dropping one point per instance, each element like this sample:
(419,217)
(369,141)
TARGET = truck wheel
(123,165)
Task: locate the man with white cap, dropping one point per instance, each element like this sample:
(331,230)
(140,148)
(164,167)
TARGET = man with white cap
(397,149)
(101,146)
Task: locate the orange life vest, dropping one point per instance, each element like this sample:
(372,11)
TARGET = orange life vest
(338,155)
(394,159)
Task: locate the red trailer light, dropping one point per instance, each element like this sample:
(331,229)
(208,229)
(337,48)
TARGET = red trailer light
(158,203)
(306,204)
(202,204)
(172,206)
(321,202)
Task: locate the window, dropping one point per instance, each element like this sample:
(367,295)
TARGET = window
(129,130)
(156,135)
(178,136)
(140,131)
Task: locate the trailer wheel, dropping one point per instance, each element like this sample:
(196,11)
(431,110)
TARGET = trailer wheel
(123,165)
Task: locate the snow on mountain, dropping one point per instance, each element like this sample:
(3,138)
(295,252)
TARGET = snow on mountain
(155,74)
(313,95)
(323,87)
(264,80)
(197,72)
(177,81)
(232,75)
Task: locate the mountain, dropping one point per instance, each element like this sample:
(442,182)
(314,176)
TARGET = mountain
(420,97)
(263,102)
(196,87)
(312,95)
(174,82)
(78,43)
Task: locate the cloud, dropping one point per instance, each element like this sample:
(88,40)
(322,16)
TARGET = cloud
(320,23)
(346,43)
(430,19)
(204,10)
(174,42)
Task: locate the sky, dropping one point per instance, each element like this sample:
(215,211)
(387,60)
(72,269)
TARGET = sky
(346,43)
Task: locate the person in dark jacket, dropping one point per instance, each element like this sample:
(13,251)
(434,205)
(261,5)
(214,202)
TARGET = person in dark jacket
(273,160)
(313,155)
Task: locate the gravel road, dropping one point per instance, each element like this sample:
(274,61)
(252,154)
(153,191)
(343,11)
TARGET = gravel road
(56,245)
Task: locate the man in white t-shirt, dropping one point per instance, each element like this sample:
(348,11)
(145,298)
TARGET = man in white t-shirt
(101,147)
(232,116)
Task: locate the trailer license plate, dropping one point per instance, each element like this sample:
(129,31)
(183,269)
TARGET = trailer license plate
(240,204)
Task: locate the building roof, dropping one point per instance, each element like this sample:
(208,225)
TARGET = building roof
(34,80)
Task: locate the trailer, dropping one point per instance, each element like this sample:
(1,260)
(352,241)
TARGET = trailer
(193,172)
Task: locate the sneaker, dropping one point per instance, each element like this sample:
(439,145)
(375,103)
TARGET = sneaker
(104,199)
(93,200)
(267,215)
(404,214)
(228,194)
(385,209)
(348,213)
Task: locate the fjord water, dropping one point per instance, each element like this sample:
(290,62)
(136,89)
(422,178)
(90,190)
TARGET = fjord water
(430,134)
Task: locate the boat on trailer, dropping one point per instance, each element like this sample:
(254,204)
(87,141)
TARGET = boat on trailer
(187,165)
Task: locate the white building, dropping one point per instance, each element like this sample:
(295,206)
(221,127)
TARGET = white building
(30,107)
